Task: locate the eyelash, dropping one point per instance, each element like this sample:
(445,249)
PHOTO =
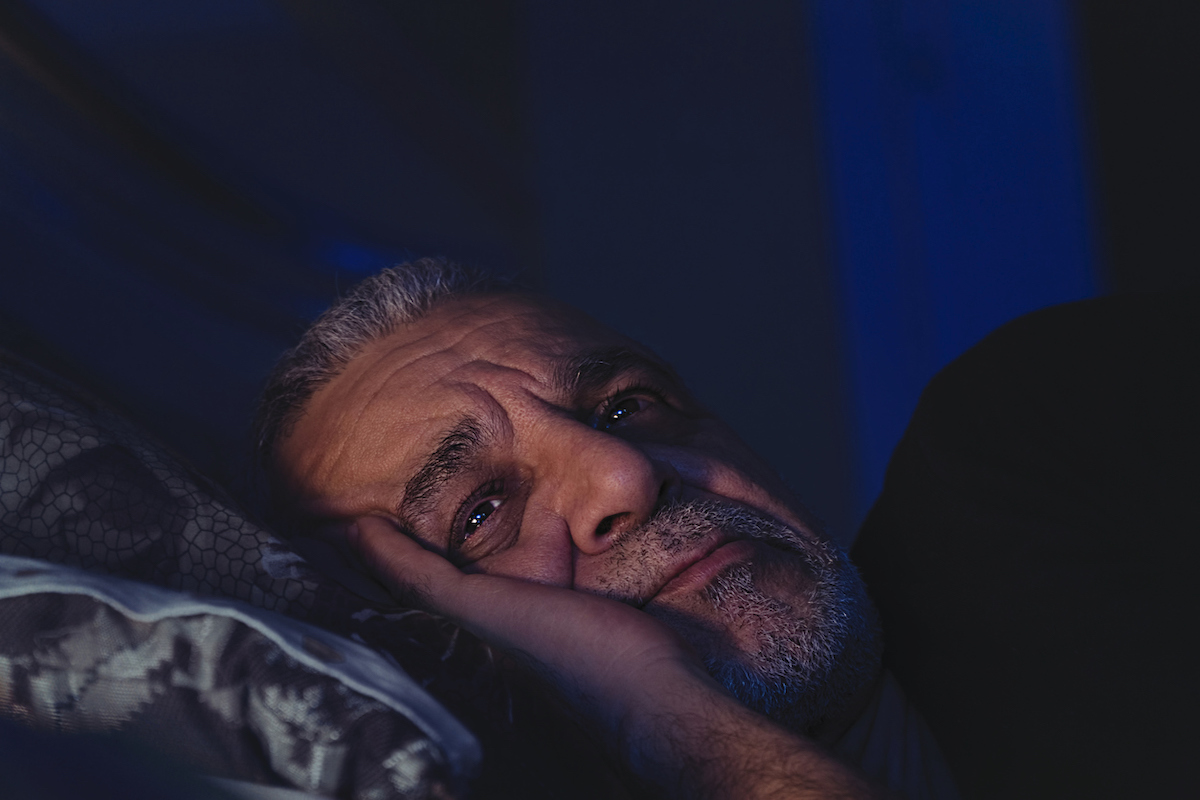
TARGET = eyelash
(491,489)
(609,403)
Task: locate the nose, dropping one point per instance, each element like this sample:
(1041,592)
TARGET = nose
(602,485)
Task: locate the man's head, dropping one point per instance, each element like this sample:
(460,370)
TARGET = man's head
(519,437)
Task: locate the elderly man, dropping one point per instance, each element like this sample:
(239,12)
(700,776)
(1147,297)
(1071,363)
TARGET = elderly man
(484,451)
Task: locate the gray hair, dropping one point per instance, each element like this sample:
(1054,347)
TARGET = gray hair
(371,310)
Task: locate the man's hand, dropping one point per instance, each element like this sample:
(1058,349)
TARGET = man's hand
(675,730)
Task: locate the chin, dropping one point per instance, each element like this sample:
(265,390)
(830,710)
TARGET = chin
(791,634)
(805,662)
(787,627)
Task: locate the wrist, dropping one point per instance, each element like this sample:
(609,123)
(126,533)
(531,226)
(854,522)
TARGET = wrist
(670,728)
(698,741)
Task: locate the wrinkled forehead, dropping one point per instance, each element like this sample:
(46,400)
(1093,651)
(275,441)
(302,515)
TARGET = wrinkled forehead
(472,337)
(524,328)
(418,381)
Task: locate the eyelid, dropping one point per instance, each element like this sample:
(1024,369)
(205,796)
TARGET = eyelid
(605,405)
(501,489)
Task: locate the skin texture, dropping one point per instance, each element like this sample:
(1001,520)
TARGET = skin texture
(529,450)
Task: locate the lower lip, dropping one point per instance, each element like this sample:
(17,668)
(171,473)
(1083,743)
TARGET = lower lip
(707,568)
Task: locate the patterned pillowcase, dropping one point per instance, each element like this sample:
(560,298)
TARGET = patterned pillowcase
(235,692)
(81,486)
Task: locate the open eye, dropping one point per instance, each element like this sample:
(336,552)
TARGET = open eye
(619,410)
(621,406)
(477,516)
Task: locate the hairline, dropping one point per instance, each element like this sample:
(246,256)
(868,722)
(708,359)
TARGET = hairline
(369,312)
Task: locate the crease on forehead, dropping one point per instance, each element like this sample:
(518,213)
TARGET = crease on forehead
(406,354)
(365,403)
(530,329)
(537,338)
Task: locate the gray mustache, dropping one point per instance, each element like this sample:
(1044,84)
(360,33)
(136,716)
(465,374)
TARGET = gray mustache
(640,554)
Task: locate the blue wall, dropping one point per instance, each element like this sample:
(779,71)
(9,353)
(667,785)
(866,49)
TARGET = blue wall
(958,185)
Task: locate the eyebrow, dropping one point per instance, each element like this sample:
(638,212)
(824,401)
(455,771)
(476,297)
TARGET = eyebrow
(592,372)
(456,451)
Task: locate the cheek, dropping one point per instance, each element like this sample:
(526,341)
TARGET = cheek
(738,472)
(543,552)
(729,471)
(721,443)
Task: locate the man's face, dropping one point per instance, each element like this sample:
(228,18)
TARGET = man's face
(519,437)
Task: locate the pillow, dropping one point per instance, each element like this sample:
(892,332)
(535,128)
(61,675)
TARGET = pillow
(235,692)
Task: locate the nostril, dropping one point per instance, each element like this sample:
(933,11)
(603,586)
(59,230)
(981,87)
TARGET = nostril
(606,524)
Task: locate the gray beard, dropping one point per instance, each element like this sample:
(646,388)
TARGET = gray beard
(814,652)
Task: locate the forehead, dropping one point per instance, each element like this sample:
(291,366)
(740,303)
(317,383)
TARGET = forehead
(358,431)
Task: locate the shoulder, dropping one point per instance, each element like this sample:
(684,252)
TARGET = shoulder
(1115,352)
(1031,548)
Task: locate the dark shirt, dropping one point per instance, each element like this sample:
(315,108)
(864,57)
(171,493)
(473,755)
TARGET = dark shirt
(1035,548)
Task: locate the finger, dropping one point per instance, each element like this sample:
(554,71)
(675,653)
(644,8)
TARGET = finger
(414,575)
(424,578)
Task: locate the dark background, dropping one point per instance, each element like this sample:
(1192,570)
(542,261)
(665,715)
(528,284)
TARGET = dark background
(809,207)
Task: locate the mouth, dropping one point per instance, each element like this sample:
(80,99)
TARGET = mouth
(697,572)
